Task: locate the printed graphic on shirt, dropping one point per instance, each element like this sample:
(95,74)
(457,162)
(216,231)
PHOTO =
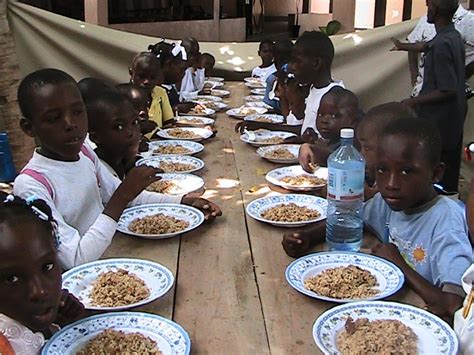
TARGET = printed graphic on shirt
(414,255)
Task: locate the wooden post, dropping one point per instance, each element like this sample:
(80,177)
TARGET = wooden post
(471,4)
(96,12)
(217,19)
(344,12)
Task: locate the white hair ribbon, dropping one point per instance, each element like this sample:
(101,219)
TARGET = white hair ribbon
(177,49)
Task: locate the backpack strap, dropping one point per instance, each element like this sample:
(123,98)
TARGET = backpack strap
(40,178)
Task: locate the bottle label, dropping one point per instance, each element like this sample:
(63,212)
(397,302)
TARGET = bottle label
(346,185)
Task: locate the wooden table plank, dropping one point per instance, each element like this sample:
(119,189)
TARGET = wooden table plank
(289,316)
(217,299)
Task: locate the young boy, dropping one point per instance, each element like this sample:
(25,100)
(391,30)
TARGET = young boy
(265,52)
(145,71)
(442,98)
(427,232)
(339,109)
(114,128)
(311,64)
(207,62)
(69,176)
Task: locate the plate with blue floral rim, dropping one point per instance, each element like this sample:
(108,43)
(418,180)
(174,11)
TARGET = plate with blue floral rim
(266,118)
(276,177)
(197,133)
(214,84)
(254,98)
(434,335)
(170,337)
(389,277)
(215,105)
(266,137)
(215,78)
(157,160)
(182,183)
(189,147)
(265,153)
(257,207)
(258,104)
(80,280)
(194,121)
(192,215)
(257,91)
(241,112)
(206,98)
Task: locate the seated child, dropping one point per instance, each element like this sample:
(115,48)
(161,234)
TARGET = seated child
(193,80)
(145,71)
(339,108)
(140,101)
(69,176)
(173,66)
(207,62)
(32,304)
(427,232)
(90,87)
(265,52)
(114,128)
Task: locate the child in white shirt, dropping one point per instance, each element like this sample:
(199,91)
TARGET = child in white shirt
(265,51)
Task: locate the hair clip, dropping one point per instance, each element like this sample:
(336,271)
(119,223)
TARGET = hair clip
(177,49)
(9,198)
(41,215)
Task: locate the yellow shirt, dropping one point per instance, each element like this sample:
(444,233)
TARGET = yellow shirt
(160,109)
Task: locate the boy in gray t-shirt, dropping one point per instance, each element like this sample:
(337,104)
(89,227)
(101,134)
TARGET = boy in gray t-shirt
(427,233)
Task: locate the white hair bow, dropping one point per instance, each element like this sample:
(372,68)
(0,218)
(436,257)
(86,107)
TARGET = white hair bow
(177,49)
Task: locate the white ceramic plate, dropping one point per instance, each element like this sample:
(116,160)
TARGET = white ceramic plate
(200,133)
(185,183)
(258,91)
(252,79)
(215,78)
(434,335)
(187,213)
(212,83)
(156,160)
(253,98)
(80,280)
(220,93)
(206,98)
(194,147)
(389,277)
(263,134)
(241,112)
(256,207)
(194,121)
(275,177)
(203,111)
(258,104)
(293,148)
(214,105)
(264,117)
(170,337)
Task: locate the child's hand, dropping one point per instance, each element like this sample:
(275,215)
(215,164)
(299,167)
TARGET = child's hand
(210,210)
(147,126)
(296,243)
(390,252)
(397,45)
(136,181)
(309,136)
(306,158)
(185,106)
(242,125)
(70,309)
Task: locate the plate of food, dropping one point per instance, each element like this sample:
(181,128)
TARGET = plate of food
(120,333)
(265,118)
(257,91)
(280,153)
(171,163)
(194,121)
(199,110)
(243,111)
(214,105)
(258,104)
(254,98)
(296,179)
(208,84)
(262,137)
(206,98)
(177,147)
(185,133)
(379,327)
(344,277)
(288,210)
(159,220)
(215,78)
(220,93)
(254,83)
(118,284)
(176,184)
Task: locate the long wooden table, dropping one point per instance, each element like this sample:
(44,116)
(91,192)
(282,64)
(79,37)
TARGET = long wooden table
(230,292)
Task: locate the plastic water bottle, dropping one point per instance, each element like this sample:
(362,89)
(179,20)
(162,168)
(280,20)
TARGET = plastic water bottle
(346,170)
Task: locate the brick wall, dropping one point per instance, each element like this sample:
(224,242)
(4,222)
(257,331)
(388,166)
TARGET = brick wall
(21,145)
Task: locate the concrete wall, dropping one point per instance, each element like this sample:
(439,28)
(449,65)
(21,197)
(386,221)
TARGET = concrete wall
(232,30)
(311,22)
(281,7)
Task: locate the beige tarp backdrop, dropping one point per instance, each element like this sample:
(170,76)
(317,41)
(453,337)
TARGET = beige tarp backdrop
(43,39)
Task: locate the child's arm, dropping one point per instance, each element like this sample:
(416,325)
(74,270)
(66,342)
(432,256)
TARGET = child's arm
(316,153)
(433,97)
(299,242)
(408,47)
(70,309)
(251,125)
(443,304)
(470,211)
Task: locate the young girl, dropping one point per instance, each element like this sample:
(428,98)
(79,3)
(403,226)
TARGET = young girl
(194,76)
(31,299)
(68,175)
(145,71)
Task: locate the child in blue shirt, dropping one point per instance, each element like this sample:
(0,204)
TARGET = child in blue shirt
(427,233)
